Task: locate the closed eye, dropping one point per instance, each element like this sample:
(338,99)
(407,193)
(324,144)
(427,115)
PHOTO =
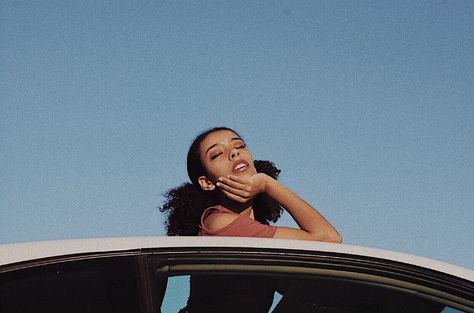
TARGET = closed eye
(240,146)
(215,155)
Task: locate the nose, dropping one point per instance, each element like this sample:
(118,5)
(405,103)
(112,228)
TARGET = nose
(234,153)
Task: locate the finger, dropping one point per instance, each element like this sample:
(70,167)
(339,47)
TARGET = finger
(234,184)
(235,191)
(234,197)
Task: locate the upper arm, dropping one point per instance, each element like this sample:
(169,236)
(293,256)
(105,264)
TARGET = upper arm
(219,220)
(294,233)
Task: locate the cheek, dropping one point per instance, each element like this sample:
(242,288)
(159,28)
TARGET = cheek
(250,158)
(213,172)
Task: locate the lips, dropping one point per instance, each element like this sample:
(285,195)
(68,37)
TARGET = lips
(240,166)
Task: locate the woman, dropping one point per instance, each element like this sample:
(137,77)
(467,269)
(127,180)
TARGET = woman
(232,195)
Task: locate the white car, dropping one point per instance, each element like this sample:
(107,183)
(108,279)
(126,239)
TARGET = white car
(151,274)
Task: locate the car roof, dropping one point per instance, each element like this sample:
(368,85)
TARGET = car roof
(22,252)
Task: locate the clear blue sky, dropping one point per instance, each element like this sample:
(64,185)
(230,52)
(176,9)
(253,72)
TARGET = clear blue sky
(366,106)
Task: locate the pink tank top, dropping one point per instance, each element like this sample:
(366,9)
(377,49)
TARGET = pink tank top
(242,226)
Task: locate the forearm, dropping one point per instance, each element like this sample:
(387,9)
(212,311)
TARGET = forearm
(315,226)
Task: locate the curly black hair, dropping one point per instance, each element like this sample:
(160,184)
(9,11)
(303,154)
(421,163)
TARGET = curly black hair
(185,204)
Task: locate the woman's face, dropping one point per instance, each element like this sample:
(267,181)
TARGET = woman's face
(224,153)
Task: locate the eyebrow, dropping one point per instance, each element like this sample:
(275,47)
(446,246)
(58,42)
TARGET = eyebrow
(231,139)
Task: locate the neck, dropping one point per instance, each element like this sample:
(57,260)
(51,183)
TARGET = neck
(235,206)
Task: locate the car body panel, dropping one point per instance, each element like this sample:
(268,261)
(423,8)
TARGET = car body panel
(21,252)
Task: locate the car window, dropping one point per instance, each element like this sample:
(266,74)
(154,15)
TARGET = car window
(177,292)
(326,293)
(319,294)
(450,310)
(84,287)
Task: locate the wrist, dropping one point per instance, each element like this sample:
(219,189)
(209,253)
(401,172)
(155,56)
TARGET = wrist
(267,183)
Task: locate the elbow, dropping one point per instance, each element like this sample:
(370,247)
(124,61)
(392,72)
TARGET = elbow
(337,238)
(331,236)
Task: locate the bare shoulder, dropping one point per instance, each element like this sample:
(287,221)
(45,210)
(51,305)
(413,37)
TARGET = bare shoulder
(219,220)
